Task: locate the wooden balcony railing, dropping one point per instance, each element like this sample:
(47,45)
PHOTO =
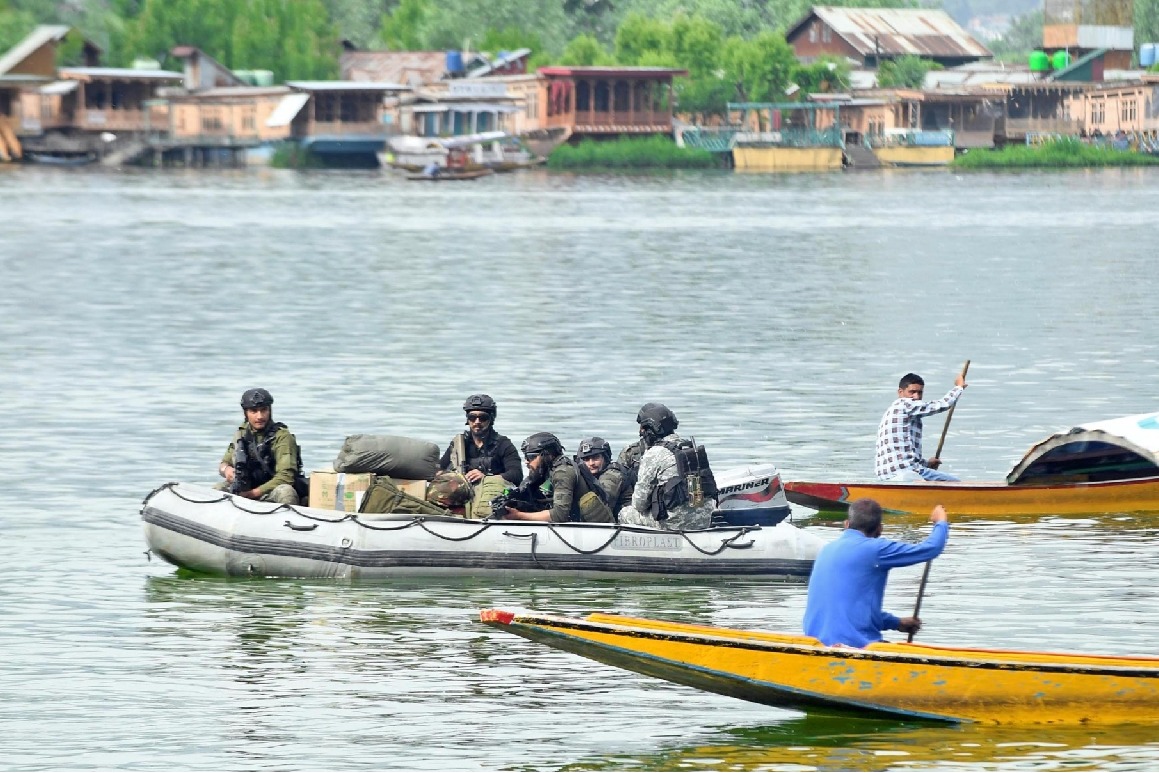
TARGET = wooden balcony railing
(611,118)
(1018,127)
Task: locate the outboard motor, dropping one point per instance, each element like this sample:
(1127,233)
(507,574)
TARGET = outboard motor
(750,496)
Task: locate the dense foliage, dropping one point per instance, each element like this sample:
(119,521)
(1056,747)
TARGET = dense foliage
(732,48)
(630,153)
(1062,153)
(905,72)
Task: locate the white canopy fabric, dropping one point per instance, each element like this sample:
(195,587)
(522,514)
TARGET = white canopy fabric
(1115,449)
(60,87)
(465,107)
(287,109)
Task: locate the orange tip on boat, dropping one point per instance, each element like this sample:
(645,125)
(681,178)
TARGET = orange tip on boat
(912,681)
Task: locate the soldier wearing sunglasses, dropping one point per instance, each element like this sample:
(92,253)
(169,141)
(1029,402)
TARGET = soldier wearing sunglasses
(480,450)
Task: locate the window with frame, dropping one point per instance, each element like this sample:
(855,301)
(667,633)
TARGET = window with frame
(812,33)
(826,34)
(1098,111)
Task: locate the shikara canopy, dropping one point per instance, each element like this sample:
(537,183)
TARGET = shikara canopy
(1117,449)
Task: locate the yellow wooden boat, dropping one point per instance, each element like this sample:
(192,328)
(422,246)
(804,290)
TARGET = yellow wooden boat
(916,681)
(1103,467)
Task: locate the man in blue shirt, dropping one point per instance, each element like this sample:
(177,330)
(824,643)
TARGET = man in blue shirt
(847,586)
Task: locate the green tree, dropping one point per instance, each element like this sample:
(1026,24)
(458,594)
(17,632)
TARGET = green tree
(640,38)
(513,39)
(294,38)
(696,44)
(14,26)
(761,68)
(1023,36)
(585,51)
(1146,21)
(826,74)
(905,72)
(404,29)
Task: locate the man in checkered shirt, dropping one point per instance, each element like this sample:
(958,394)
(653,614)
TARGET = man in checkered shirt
(899,437)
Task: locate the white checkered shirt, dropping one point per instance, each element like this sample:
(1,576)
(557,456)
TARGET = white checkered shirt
(899,436)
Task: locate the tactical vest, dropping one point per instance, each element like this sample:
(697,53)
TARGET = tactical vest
(693,484)
(254,462)
(465,455)
(589,501)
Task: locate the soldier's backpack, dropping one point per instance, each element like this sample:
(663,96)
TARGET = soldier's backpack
(449,489)
(385,497)
(693,484)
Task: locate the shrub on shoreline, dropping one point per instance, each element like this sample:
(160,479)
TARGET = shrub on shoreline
(1061,153)
(653,152)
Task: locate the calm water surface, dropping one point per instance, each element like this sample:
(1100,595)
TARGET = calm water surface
(773,314)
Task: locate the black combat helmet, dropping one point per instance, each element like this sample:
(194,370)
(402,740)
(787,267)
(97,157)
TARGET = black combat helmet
(541,443)
(256,398)
(482,403)
(657,420)
(594,446)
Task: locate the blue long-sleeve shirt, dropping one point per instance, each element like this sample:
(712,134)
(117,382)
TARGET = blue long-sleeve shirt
(847,586)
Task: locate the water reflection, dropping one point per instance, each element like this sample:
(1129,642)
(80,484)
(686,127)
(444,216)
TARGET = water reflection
(816,742)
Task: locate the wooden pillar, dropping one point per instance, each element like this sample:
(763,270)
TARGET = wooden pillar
(631,103)
(591,102)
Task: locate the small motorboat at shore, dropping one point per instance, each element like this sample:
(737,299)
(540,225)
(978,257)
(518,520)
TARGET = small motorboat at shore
(1102,467)
(907,681)
(204,530)
(445,175)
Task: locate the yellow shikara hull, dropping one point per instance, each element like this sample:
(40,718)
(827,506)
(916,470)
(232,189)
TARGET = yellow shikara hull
(902,680)
(993,498)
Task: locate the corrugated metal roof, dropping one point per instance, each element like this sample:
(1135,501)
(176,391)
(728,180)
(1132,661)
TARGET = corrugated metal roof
(126,73)
(45,33)
(898,32)
(346,86)
(498,62)
(411,67)
(287,109)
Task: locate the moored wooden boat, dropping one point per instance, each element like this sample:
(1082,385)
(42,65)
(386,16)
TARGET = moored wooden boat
(1103,467)
(452,174)
(952,684)
(204,530)
(980,498)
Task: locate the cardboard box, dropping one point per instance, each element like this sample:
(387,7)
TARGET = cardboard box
(416,488)
(331,490)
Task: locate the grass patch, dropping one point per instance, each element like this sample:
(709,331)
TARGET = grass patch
(291,155)
(1056,154)
(653,152)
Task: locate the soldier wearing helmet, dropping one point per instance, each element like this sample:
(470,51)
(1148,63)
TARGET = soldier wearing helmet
(658,499)
(595,453)
(263,461)
(576,494)
(480,451)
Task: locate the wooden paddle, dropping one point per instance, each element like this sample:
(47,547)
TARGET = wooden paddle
(938,454)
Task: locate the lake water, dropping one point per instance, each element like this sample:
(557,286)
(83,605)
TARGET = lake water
(773,314)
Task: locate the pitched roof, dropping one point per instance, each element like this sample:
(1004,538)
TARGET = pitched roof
(45,33)
(502,59)
(897,32)
(413,68)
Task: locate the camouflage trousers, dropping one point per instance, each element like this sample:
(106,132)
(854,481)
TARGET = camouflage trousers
(283,494)
(682,518)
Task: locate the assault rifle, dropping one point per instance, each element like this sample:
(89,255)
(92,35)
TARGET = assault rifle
(242,480)
(527,497)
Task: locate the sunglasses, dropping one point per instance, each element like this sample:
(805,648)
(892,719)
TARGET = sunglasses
(530,457)
(478,417)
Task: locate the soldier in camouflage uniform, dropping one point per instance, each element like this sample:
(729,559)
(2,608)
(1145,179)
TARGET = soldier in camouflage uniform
(596,454)
(575,496)
(263,460)
(657,467)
